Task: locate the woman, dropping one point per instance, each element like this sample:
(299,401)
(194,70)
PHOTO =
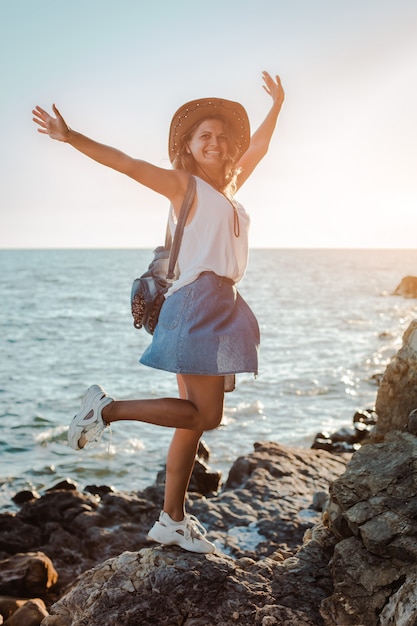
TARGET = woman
(206,332)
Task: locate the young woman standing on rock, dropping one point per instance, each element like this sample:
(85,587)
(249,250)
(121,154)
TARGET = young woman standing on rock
(206,332)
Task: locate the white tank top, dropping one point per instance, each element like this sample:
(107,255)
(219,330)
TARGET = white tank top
(209,243)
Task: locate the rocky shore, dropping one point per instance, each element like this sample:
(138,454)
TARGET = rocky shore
(321,536)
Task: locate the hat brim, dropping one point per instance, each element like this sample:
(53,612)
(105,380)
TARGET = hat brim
(196,110)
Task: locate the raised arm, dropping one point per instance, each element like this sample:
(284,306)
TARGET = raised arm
(163,181)
(259,142)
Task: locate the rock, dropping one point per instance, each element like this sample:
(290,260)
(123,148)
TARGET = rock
(31,613)
(165,585)
(64,485)
(16,535)
(363,585)
(98,490)
(360,568)
(340,442)
(287,568)
(365,416)
(411,425)
(203,480)
(363,564)
(320,501)
(347,440)
(401,609)
(266,503)
(303,580)
(25,496)
(407,287)
(373,510)
(264,508)
(397,394)
(29,575)
(10,604)
(273,615)
(380,478)
(375,378)
(322,443)
(203,451)
(77,531)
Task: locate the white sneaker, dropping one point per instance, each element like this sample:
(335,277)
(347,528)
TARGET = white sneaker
(87,427)
(189,534)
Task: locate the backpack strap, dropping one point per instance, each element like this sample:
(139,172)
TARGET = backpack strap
(179,230)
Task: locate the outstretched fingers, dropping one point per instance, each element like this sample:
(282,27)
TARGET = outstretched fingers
(52,125)
(268,82)
(39,111)
(57,113)
(273,87)
(39,117)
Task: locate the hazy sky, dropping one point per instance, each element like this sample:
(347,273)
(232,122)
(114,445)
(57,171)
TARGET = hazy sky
(341,171)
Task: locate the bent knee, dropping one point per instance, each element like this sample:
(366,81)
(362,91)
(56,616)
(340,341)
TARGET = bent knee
(213,421)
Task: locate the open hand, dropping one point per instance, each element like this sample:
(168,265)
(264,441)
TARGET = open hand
(55,127)
(273,88)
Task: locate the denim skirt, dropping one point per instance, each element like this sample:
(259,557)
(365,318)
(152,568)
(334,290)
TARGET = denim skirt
(205,328)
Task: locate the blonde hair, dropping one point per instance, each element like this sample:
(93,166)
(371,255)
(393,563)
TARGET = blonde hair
(184,160)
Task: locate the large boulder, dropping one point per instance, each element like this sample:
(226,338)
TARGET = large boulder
(31,613)
(397,394)
(166,586)
(9,606)
(265,510)
(373,512)
(30,575)
(163,586)
(407,287)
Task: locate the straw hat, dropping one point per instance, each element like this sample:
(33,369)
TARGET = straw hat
(196,110)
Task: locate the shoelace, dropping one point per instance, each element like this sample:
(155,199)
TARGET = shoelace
(94,435)
(193,528)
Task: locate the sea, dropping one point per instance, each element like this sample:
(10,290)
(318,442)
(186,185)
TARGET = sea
(329,327)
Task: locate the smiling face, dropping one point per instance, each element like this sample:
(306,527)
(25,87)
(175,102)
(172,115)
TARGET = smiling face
(210,150)
(209,144)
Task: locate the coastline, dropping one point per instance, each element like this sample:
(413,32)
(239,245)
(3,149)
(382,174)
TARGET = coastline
(268,502)
(328,325)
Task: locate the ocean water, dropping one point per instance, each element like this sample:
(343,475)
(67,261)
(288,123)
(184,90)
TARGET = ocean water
(328,324)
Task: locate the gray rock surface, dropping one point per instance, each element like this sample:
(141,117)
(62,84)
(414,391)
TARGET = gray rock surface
(265,505)
(397,394)
(373,511)
(168,586)
(259,518)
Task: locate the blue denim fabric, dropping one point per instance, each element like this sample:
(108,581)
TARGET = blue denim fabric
(205,328)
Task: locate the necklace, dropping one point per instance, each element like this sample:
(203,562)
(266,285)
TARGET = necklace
(236,223)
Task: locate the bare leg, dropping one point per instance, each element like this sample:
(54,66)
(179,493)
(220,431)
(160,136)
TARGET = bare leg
(202,410)
(199,408)
(181,457)
(179,466)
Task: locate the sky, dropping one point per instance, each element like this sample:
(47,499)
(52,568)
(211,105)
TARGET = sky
(341,168)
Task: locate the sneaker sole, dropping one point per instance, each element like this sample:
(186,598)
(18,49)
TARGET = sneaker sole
(179,541)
